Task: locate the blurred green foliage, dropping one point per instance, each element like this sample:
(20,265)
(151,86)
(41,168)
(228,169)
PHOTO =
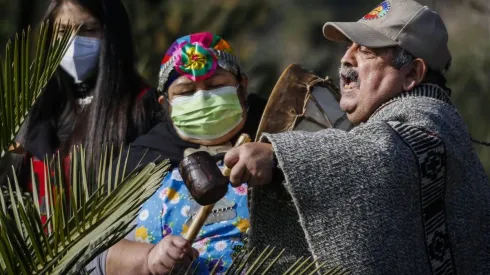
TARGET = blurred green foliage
(270,34)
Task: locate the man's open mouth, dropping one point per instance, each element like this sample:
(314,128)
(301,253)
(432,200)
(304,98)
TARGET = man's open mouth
(348,81)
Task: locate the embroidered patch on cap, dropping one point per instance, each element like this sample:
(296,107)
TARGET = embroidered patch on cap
(378,12)
(195,61)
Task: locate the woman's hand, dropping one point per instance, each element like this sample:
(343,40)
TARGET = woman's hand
(170,255)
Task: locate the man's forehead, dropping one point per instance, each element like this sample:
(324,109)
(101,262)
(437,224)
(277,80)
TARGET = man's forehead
(374,49)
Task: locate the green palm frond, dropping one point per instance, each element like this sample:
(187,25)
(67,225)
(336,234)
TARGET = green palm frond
(80,225)
(87,212)
(23,76)
(248,263)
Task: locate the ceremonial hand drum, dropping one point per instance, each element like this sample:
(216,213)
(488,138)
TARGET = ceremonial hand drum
(302,101)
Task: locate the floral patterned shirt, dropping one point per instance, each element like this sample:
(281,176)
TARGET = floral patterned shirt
(170,210)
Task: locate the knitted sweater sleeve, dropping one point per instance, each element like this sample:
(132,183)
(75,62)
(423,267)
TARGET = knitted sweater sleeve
(343,191)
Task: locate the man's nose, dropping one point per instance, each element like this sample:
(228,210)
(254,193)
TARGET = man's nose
(349,58)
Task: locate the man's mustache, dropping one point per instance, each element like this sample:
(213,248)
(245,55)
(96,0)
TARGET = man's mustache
(348,75)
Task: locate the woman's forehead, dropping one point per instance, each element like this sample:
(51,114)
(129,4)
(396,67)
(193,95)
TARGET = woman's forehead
(219,73)
(71,13)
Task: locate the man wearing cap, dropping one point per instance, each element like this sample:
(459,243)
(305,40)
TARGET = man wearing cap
(404,191)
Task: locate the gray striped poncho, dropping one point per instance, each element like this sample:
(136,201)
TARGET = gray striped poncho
(403,193)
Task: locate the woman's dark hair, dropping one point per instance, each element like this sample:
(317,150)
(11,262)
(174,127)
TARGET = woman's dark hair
(116,114)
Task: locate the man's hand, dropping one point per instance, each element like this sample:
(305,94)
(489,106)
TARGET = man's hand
(173,252)
(250,163)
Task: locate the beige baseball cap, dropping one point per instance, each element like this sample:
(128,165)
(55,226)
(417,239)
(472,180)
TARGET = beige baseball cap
(405,23)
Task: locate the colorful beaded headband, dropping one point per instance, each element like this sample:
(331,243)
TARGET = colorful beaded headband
(197,56)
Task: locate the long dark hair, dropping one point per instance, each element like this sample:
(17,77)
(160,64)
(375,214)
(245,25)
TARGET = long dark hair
(116,115)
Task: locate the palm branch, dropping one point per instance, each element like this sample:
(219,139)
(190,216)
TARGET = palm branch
(24,75)
(81,222)
(249,263)
(24,72)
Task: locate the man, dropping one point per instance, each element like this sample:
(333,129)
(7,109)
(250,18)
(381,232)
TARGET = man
(401,193)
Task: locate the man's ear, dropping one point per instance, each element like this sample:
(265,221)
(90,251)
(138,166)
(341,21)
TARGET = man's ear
(415,73)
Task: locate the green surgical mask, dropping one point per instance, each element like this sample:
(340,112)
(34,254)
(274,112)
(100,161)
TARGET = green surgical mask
(207,114)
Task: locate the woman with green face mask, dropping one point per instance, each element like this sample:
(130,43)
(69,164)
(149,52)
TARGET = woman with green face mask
(204,91)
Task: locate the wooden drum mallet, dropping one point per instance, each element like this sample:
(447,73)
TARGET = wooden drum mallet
(206,184)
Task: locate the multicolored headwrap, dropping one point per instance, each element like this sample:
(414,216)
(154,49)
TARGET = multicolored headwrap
(197,56)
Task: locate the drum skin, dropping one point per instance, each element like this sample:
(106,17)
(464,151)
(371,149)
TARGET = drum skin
(290,98)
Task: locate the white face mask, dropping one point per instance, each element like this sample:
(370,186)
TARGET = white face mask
(81,57)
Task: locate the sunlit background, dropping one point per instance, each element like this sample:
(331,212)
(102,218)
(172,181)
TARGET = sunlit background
(270,34)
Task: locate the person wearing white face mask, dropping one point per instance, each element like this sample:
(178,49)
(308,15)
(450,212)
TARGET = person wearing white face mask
(81,58)
(204,90)
(96,96)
